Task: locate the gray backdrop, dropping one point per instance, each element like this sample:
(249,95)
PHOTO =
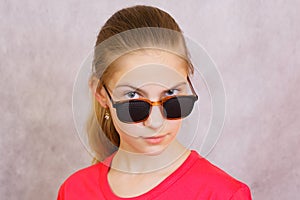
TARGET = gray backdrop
(254,43)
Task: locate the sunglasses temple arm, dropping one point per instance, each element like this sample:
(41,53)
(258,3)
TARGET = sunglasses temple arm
(112,101)
(193,90)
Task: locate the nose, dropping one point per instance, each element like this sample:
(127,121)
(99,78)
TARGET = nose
(155,119)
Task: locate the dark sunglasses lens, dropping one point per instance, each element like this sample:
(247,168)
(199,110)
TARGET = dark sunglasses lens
(133,111)
(179,107)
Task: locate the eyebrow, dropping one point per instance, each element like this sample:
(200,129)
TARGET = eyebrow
(138,89)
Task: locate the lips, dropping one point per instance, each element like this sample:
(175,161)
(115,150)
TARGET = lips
(155,139)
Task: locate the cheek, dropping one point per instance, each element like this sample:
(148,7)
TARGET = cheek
(121,127)
(174,125)
(127,129)
(134,129)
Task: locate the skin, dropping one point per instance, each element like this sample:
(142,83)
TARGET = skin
(149,151)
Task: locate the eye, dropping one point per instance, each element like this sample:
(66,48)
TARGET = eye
(172,92)
(132,95)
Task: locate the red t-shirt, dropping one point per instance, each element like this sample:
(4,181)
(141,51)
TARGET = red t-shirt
(196,178)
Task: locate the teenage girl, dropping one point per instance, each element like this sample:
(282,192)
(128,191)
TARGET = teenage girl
(141,92)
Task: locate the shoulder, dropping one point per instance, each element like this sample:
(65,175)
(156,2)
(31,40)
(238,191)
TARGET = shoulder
(216,182)
(88,174)
(83,178)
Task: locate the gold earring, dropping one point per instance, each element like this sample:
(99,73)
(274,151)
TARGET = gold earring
(106,115)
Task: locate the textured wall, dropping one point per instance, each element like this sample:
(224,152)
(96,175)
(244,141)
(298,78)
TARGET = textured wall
(254,43)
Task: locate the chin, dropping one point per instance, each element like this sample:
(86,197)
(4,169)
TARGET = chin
(154,151)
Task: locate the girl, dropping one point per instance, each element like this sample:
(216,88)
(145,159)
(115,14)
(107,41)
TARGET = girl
(141,92)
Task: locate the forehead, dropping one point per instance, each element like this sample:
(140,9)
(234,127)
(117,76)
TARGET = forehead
(149,66)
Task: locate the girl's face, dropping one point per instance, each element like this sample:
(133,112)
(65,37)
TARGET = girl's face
(150,74)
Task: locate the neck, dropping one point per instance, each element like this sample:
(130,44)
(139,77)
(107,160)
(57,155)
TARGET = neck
(140,163)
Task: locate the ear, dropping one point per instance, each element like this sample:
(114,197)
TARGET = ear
(100,95)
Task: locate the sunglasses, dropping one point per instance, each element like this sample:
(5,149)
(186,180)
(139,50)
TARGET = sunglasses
(138,110)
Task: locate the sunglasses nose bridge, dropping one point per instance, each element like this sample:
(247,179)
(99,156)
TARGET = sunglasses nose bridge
(156,103)
(155,117)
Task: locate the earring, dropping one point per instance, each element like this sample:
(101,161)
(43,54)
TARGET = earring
(106,115)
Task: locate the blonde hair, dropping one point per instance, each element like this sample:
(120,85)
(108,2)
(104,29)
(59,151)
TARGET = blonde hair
(130,29)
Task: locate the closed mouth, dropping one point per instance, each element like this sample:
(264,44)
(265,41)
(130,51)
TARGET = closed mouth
(154,140)
(155,137)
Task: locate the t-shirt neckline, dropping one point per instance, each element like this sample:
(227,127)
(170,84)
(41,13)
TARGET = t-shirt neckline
(154,192)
